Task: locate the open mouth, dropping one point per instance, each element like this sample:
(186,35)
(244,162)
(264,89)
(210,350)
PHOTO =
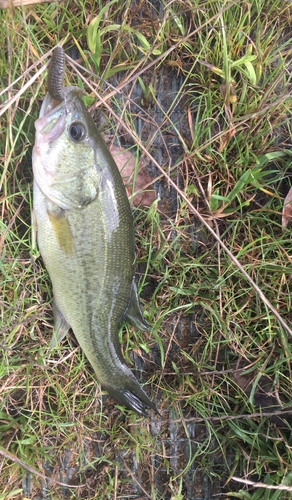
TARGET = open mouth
(53,113)
(48,105)
(51,122)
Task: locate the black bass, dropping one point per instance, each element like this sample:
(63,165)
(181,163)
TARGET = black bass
(86,237)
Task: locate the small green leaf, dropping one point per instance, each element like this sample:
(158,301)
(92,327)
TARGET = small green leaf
(244,179)
(191,189)
(145,348)
(251,72)
(110,27)
(29,440)
(157,52)
(242,60)
(144,42)
(5,427)
(142,85)
(5,415)
(159,342)
(214,202)
(12,494)
(218,71)
(97,53)
(188,46)
(175,368)
(227,211)
(271,156)
(116,69)
(179,24)
(88,100)
(219,197)
(91,33)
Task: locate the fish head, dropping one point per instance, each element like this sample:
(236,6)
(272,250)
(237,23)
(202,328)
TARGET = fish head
(64,160)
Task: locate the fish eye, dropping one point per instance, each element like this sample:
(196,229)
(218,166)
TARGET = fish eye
(77,131)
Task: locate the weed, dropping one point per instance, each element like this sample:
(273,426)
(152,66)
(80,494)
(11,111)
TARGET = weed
(205,87)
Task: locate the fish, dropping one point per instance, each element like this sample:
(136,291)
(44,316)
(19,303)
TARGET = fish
(85,235)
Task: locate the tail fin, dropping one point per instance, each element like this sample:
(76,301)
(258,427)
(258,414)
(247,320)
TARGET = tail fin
(134,398)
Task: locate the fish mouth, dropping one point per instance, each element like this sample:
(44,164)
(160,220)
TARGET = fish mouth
(52,120)
(49,104)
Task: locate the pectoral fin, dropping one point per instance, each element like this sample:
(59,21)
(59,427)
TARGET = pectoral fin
(61,326)
(134,312)
(60,227)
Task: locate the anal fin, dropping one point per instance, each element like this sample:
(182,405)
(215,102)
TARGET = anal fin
(134,312)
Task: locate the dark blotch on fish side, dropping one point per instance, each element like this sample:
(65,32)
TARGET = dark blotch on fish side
(56,74)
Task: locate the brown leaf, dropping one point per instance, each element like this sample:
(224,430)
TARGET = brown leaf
(125,161)
(287,210)
(225,138)
(232,94)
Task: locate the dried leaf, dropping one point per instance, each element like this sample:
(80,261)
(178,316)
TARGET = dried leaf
(232,94)
(287,210)
(225,138)
(213,68)
(126,164)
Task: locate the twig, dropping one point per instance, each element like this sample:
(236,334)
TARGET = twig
(280,413)
(262,485)
(116,483)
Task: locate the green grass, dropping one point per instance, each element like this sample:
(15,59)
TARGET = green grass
(234,161)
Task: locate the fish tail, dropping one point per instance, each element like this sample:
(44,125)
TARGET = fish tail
(132,396)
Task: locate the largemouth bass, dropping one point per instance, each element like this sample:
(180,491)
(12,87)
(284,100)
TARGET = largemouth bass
(86,238)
